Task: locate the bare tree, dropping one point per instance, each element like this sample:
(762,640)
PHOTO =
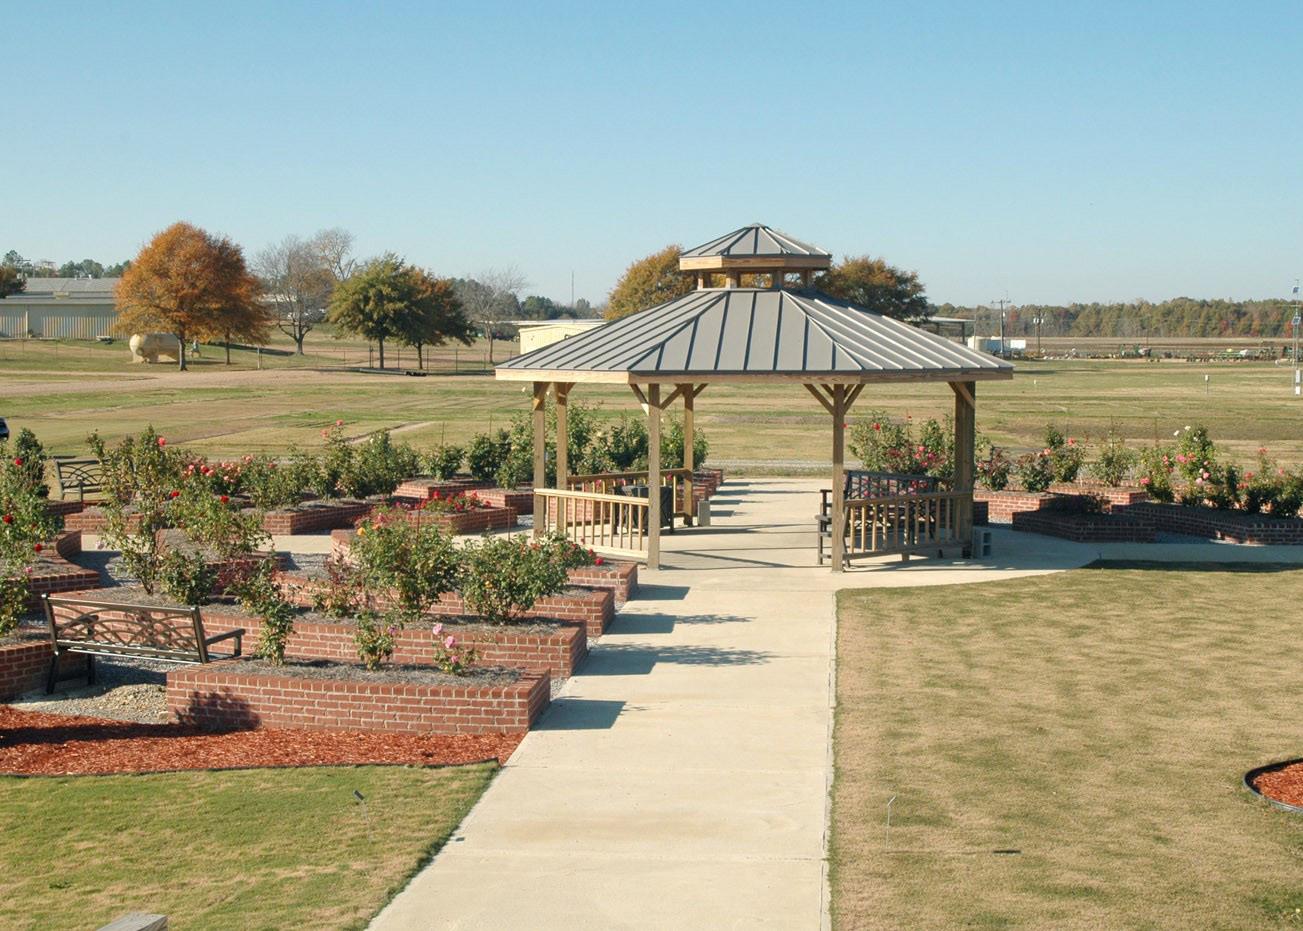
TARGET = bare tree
(335,249)
(299,276)
(491,299)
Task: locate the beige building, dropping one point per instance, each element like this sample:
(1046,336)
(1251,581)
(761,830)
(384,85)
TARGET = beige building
(535,334)
(60,308)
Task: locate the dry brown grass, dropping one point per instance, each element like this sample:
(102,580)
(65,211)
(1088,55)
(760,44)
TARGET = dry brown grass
(1098,722)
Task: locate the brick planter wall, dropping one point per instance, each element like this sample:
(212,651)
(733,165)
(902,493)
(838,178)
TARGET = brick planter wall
(477,520)
(521,500)
(64,508)
(559,652)
(25,664)
(88,520)
(1232,526)
(1113,497)
(316,516)
(1086,528)
(224,695)
(1003,505)
(424,487)
(620,577)
(54,574)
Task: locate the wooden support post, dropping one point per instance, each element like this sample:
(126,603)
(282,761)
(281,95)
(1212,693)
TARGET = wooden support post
(689,460)
(838,477)
(539,408)
(653,476)
(562,395)
(965,453)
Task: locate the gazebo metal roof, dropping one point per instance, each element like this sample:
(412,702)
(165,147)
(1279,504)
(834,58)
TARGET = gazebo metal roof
(746,334)
(755,241)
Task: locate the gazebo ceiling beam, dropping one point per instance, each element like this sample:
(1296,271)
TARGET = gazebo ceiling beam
(681,391)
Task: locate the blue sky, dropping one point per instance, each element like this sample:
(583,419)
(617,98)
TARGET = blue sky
(1056,152)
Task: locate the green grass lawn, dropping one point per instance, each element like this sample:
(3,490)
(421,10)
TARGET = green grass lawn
(231,411)
(253,849)
(1098,722)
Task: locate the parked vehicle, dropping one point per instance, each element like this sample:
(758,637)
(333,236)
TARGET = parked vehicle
(4,430)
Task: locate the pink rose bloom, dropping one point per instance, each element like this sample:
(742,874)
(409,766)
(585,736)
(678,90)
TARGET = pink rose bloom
(438,629)
(339,423)
(1198,481)
(162,442)
(450,642)
(1145,480)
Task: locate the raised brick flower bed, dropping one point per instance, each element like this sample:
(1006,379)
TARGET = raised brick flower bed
(1003,505)
(231,694)
(521,500)
(1086,527)
(25,663)
(555,648)
(1119,496)
(424,487)
(1231,526)
(316,516)
(90,519)
(472,520)
(64,508)
(53,572)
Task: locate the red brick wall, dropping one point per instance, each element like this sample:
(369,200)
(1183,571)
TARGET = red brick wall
(1111,496)
(55,574)
(64,508)
(561,652)
(225,695)
(424,488)
(316,517)
(620,577)
(89,520)
(1085,528)
(1003,505)
(521,500)
(1232,526)
(479,520)
(24,666)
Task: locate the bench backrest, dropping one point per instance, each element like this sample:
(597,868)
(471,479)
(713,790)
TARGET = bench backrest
(80,475)
(161,632)
(861,483)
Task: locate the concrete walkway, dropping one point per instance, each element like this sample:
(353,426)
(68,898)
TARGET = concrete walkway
(681,780)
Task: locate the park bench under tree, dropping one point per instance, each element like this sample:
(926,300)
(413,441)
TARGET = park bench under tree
(108,628)
(82,476)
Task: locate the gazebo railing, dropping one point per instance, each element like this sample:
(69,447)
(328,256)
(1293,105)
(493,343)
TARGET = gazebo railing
(606,483)
(609,524)
(906,524)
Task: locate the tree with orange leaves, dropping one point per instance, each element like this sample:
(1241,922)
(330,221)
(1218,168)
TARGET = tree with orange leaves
(194,285)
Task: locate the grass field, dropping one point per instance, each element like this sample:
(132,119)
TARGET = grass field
(254,849)
(239,409)
(1096,722)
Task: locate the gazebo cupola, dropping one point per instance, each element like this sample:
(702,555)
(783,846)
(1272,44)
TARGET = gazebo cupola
(768,258)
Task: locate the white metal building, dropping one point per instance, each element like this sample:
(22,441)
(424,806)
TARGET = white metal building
(60,308)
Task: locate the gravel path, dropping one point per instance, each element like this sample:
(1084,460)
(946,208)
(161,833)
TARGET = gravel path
(125,690)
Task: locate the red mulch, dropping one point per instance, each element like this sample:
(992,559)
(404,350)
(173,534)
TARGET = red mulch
(1284,784)
(33,743)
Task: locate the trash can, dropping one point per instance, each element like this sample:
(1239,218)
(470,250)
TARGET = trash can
(703,512)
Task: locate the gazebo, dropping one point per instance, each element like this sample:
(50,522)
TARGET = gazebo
(753,319)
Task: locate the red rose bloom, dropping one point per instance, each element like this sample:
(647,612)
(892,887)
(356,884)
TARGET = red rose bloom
(37,548)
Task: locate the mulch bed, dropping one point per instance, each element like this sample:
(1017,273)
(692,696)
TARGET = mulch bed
(38,744)
(1283,785)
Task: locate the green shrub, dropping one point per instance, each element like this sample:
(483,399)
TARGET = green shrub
(377,466)
(1115,460)
(673,443)
(142,477)
(1036,471)
(213,522)
(450,656)
(272,485)
(374,640)
(486,453)
(884,445)
(1066,455)
(260,595)
(186,575)
(504,577)
(413,563)
(993,471)
(342,593)
(29,457)
(445,461)
(1156,467)
(25,525)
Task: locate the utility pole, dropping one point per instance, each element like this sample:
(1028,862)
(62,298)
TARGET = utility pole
(1038,320)
(1294,326)
(1004,351)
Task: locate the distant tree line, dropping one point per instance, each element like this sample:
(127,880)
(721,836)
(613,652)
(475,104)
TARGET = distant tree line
(1179,317)
(86,268)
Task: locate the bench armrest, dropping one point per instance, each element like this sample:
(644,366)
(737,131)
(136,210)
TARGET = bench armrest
(237,634)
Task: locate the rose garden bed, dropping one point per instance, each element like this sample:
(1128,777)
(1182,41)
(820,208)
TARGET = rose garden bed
(53,571)
(521,499)
(1231,526)
(316,516)
(423,488)
(25,661)
(1112,496)
(1086,527)
(327,696)
(1003,505)
(471,520)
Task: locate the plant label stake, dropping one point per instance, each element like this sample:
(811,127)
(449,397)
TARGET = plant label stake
(366,815)
(886,832)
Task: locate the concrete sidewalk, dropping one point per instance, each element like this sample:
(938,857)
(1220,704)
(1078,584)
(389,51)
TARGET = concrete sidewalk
(681,781)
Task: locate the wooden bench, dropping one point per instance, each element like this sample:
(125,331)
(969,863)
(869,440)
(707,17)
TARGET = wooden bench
(112,628)
(79,475)
(861,483)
